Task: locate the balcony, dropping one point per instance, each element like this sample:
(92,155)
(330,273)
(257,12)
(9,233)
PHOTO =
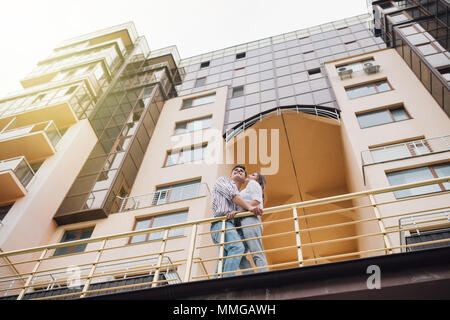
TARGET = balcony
(191,256)
(164,196)
(36,142)
(15,174)
(410,149)
(64,108)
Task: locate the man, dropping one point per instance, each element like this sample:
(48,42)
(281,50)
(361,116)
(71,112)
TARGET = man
(226,200)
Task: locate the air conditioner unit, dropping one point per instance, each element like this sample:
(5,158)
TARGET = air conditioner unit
(344,72)
(371,67)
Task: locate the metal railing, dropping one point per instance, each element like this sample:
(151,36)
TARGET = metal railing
(194,256)
(422,223)
(48,127)
(326,112)
(20,167)
(164,196)
(405,150)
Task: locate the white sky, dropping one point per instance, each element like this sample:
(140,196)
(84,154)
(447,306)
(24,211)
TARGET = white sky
(30,29)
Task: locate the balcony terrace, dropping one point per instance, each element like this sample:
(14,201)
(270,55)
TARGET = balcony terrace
(190,257)
(15,174)
(36,142)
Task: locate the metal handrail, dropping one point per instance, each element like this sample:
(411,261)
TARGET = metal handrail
(157,194)
(190,246)
(316,110)
(413,143)
(14,170)
(49,124)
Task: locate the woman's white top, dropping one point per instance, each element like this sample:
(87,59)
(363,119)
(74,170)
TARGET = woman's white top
(253,191)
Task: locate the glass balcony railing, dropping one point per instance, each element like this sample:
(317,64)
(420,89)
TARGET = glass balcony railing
(164,196)
(20,167)
(288,241)
(35,142)
(47,127)
(15,175)
(405,150)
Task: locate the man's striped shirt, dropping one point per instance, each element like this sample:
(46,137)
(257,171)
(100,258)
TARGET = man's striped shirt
(223,192)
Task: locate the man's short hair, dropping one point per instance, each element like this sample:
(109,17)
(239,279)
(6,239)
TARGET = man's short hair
(242,167)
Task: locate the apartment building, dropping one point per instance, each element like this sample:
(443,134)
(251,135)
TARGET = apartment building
(110,153)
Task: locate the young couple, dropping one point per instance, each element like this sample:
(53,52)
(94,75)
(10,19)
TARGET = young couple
(227,201)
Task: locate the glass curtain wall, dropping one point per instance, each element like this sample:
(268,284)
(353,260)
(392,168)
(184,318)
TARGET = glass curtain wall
(124,123)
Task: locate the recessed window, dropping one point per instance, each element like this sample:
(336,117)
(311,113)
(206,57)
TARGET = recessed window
(445,72)
(159,221)
(314,73)
(185,155)
(177,192)
(386,5)
(341,28)
(238,92)
(420,174)
(204,64)
(200,82)
(73,235)
(198,101)
(240,55)
(368,89)
(379,117)
(193,125)
(4,210)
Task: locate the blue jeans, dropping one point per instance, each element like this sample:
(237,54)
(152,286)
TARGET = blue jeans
(229,264)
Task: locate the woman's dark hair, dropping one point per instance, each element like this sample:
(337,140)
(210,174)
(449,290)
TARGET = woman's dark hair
(261,180)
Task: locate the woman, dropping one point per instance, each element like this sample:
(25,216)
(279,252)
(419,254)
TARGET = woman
(254,195)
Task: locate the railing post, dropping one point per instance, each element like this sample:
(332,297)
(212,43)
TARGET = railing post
(221,249)
(387,241)
(297,237)
(30,278)
(190,257)
(160,257)
(94,267)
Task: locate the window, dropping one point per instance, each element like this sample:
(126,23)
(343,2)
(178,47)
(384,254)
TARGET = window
(159,221)
(193,125)
(240,55)
(204,64)
(238,92)
(4,210)
(368,89)
(185,155)
(386,5)
(399,150)
(73,235)
(419,174)
(195,102)
(379,117)
(445,72)
(177,192)
(200,82)
(314,73)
